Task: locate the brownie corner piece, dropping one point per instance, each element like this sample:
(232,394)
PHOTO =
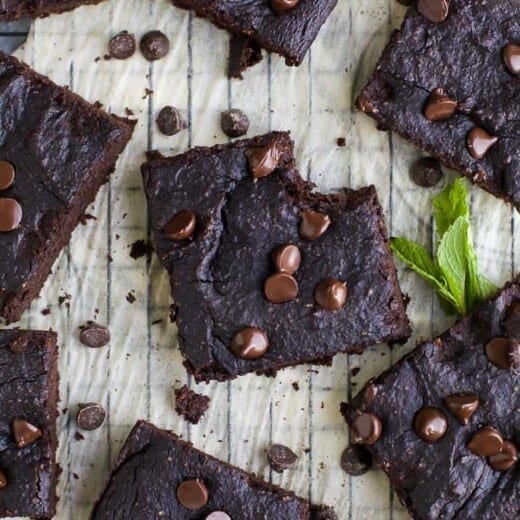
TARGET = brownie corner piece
(255,256)
(444,422)
(452,88)
(56,150)
(16,9)
(28,439)
(158,475)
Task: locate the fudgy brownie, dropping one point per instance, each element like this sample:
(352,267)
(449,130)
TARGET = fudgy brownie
(287,27)
(15,9)
(452,88)
(55,152)
(255,257)
(28,442)
(157,475)
(444,422)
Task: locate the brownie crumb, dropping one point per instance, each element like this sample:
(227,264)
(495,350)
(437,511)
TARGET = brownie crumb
(130,298)
(86,216)
(79,436)
(296,386)
(156,322)
(140,248)
(129,112)
(46,311)
(75,475)
(190,405)
(355,371)
(341,141)
(65,298)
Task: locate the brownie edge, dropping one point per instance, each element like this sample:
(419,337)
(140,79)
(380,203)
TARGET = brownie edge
(17,9)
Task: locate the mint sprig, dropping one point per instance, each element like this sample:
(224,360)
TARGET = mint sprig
(454,272)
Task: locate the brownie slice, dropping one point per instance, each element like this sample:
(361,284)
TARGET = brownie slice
(289,33)
(157,475)
(444,422)
(472,124)
(15,9)
(29,394)
(225,280)
(55,152)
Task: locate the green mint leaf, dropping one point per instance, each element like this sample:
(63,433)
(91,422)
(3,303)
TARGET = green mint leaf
(450,204)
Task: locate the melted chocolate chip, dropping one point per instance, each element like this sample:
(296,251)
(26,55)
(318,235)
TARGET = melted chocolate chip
(281,288)
(6,175)
(90,416)
(506,459)
(462,406)
(170,121)
(439,106)
(331,294)
(313,224)
(430,424)
(122,46)
(367,428)
(486,442)
(154,45)
(479,142)
(434,10)
(500,352)
(181,226)
(356,460)
(218,515)
(511,57)
(249,343)
(234,122)
(426,172)
(287,258)
(3,480)
(25,433)
(263,160)
(280,6)
(192,494)
(281,457)
(94,335)
(10,215)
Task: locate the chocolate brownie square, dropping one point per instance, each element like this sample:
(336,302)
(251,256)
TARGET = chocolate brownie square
(15,9)
(452,88)
(157,475)
(55,152)
(265,273)
(444,422)
(29,394)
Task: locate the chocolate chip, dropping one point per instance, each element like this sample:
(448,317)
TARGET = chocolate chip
(434,10)
(90,416)
(367,428)
(234,122)
(154,45)
(94,335)
(281,457)
(331,294)
(313,224)
(430,424)
(506,459)
(511,321)
(500,352)
(439,106)
(170,121)
(280,6)
(6,175)
(356,460)
(479,142)
(218,515)
(287,258)
(462,406)
(263,160)
(250,343)
(122,46)
(10,215)
(511,57)
(280,288)
(25,433)
(426,172)
(181,226)
(3,480)
(486,442)
(192,494)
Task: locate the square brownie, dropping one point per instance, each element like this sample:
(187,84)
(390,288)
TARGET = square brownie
(452,88)
(444,422)
(15,9)
(285,27)
(55,152)
(157,475)
(255,257)
(29,395)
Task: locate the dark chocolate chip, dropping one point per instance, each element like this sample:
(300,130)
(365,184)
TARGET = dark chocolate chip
(313,224)
(281,288)
(25,433)
(10,215)
(170,121)
(430,424)
(434,10)
(193,494)
(6,175)
(331,294)
(250,343)
(3,480)
(94,335)
(462,406)
(234,122)
(154,45)
(90,416)
(281,457)
(287,258)
(439,106)
(479,142)
(511,56)
(356,460)
(122,46)
(512,321)
(181,226)
(506,459)
(426,172)
(486,442)
(367,428)
(280,6)
(263,160)
(218,515)
(500,352)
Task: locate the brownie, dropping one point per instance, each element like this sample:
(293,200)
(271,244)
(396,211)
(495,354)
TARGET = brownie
(452,88)
(28,442)
(238,310)
(15,9)
(444,422)
(55,152)
(289,33)
(190,405)
(157,475)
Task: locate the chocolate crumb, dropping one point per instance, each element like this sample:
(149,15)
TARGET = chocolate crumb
(79,436)
(130,298)
(296,386)
(190,405)
(140,248)
(341,141)
(46,311)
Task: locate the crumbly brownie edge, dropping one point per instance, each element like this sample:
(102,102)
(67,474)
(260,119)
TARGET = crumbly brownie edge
(41,12)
